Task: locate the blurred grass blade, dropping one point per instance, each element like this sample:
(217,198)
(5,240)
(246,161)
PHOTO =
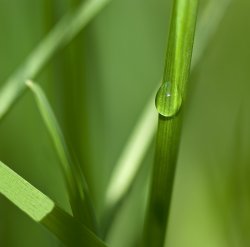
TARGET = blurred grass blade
(70,66)
(128,165)
(169,99)
(208,26)
(44,211)
(129,162)
(61,35)
(77,188)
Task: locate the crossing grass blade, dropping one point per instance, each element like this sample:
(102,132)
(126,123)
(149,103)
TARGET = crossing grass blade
(176,72)
(44,211)
(60,36)
(77,187)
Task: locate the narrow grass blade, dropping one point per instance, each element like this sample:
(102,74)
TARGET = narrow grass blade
(77,188)
(169,99)
(44,211)
(208,26)
(129,162)
(60,36)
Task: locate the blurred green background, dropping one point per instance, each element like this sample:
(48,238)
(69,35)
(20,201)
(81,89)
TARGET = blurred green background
(98,85)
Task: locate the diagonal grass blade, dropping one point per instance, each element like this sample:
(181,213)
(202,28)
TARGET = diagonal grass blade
(60,36)
(44,211)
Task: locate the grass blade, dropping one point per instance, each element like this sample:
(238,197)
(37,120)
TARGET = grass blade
(117,189)
(60,36)
(129,164)
(129,161)
(208,26)
(70,66)
(44,211)
(168,102)
(77,188)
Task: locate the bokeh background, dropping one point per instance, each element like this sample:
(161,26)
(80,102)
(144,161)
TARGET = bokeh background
(98,86)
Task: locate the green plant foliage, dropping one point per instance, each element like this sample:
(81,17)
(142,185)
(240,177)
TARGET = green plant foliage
(143,133)
(100,85)
(44,211)
(130,160)
(75,181)
(60,36)
(168,101)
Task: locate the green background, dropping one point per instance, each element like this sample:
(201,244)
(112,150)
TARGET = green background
(98,85)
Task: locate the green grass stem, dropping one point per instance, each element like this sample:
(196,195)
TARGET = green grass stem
(176,73)
(130,162)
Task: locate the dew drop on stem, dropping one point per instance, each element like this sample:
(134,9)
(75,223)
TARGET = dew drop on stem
(168,100)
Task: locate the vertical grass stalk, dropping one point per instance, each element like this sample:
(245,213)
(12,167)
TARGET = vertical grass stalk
(129,161)
(70,76)
(169,102)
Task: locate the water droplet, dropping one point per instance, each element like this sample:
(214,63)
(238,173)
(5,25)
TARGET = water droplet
(168,100)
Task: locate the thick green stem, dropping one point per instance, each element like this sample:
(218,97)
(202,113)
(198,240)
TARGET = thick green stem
(169,102)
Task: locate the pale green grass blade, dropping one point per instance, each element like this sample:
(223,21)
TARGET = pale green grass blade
(60,36)
(24,195)
(130,160)
(77,188)
(208,26)
(128,165)
(44,211)
(169,99)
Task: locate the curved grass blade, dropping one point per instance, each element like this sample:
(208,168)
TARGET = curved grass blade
(44,211)
(206,28)
(60,36)
(176,73)
(77,187)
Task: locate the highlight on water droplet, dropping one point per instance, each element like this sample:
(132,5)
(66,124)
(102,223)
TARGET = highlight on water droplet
(168,100)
